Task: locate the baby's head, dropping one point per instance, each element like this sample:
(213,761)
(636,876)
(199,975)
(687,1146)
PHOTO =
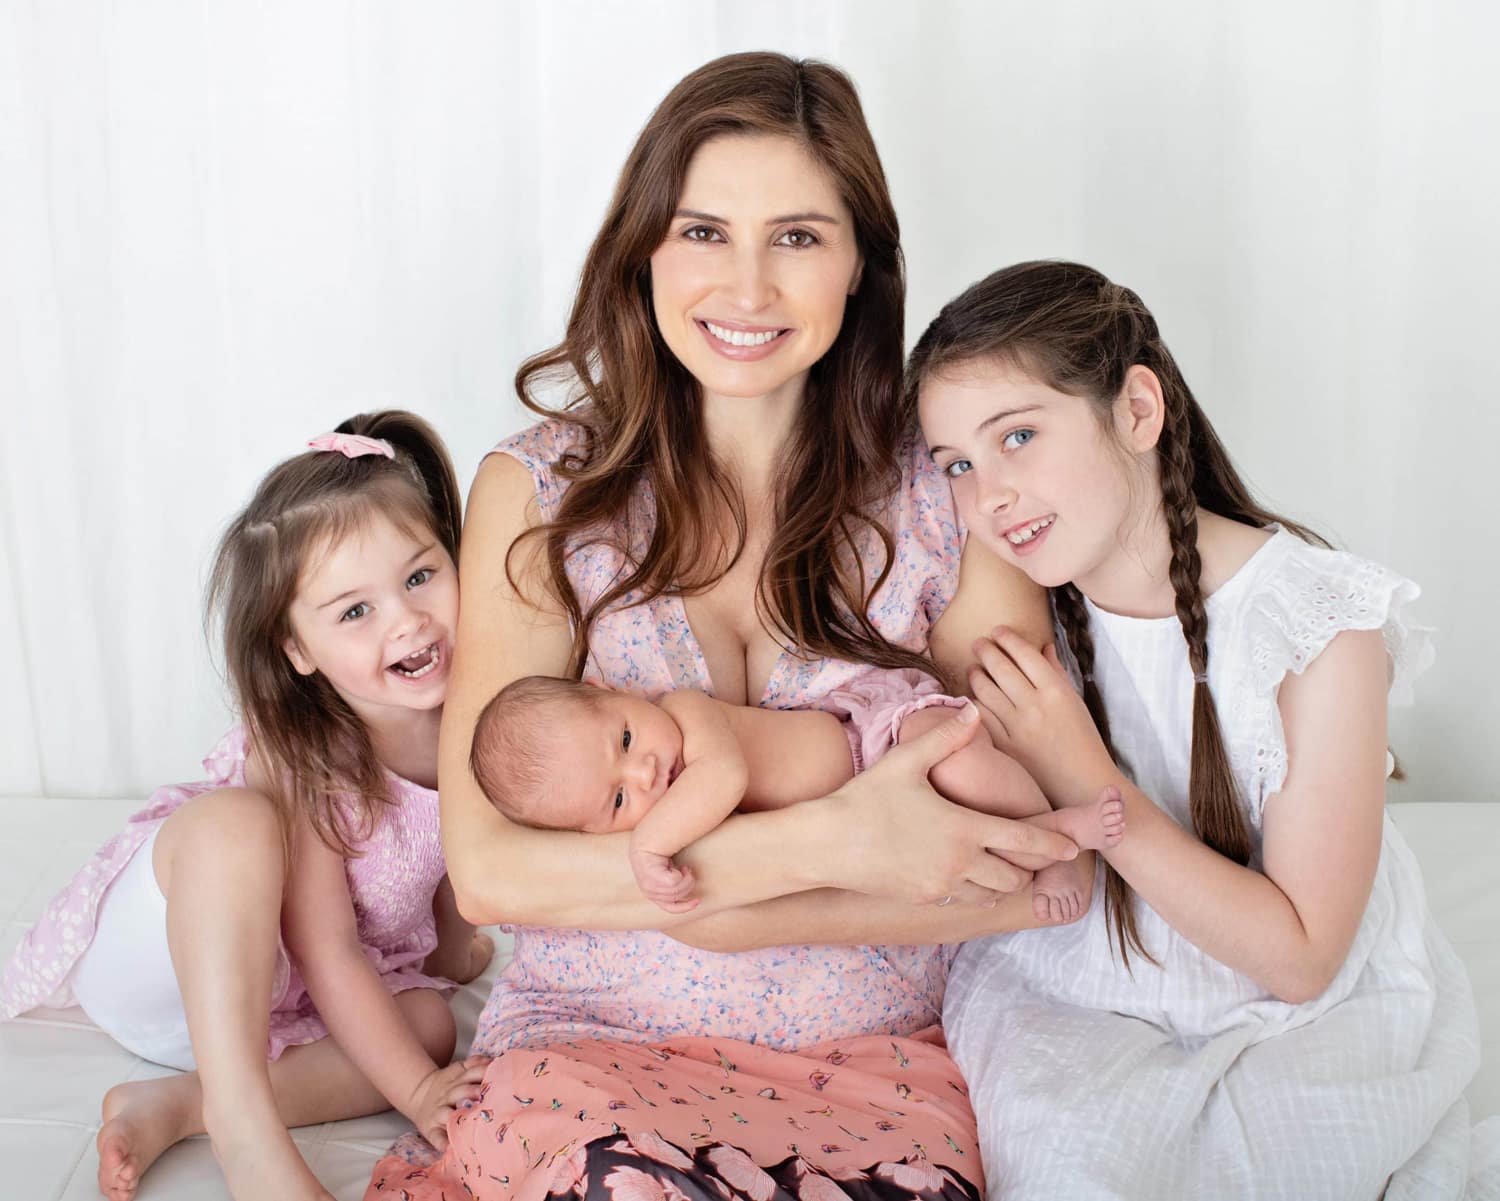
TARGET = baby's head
(567,755)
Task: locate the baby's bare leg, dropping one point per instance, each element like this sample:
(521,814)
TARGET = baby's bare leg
(981,776)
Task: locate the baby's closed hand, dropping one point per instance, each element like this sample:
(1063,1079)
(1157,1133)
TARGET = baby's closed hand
(662,881)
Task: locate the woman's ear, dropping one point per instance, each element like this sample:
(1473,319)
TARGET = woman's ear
(300,662)
(1140,410)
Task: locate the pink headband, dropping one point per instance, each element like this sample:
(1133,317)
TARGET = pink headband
(352,446)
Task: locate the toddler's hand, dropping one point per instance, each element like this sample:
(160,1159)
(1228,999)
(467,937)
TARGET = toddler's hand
(662,881)
(481,950)
(439,1093)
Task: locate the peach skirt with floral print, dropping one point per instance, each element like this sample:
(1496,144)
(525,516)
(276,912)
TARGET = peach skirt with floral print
(861,1118)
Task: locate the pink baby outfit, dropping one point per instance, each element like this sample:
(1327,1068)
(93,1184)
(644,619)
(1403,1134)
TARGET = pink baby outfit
(391,882)
(874,706)
(762,1054)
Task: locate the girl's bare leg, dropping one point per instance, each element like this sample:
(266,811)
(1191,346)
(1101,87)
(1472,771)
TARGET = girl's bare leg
(983,777)
(219,862)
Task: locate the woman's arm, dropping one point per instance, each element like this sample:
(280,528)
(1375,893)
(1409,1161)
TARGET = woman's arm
(1290,928)
(502,872)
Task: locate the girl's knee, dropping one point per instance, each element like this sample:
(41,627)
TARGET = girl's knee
(239,824)
(432,1021)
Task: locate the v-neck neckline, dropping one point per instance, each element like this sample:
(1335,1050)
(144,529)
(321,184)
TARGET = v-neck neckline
(700,661)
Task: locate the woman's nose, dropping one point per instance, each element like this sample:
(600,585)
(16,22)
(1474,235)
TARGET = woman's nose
(752,286)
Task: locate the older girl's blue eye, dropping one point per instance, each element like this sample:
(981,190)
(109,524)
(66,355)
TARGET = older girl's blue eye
(418,578)
(1017,438)
(957,468)
(354,612)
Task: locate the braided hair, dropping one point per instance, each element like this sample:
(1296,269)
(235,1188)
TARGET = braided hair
(1076,331)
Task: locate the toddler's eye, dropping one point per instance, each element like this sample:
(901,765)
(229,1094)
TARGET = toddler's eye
(418,578)
(1017,438)
(355,612)
(625,740)
(957,468)
(619,801)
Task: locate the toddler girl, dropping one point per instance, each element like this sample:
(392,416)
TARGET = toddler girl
(339,597)
(560,754)
(1264,1007)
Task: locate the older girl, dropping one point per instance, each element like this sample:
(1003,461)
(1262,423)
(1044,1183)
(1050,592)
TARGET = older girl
(1265,1008)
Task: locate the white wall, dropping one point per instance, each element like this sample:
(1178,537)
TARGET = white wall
(223,227)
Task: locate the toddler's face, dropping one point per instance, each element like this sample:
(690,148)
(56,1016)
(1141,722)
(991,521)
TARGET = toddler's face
(622,753)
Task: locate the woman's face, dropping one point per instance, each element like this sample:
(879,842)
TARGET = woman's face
(750,284)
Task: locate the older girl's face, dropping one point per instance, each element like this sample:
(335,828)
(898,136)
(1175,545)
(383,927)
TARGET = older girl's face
(749,286)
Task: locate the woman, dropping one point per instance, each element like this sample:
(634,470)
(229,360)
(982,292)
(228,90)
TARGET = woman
(730,503)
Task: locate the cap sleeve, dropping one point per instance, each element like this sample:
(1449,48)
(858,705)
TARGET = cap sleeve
(1293,615)
(928,546)
(539,448)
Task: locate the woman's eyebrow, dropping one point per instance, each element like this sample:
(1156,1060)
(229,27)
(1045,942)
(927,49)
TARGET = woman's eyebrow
(696,215)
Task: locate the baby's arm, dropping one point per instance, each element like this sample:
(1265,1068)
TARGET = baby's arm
(319,927)
(708,790)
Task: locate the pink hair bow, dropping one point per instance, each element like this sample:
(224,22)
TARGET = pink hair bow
(352,446)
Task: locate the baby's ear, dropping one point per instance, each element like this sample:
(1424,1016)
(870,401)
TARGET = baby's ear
(300,662)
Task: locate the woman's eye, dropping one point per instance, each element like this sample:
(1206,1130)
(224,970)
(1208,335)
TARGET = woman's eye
(625,740)
(798,238)
(701,233)
(1017,438)
(957,468)
(418,578)
(619,800)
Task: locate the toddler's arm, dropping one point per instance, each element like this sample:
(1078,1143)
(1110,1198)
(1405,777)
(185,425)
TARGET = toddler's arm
(708,790)
(319,927)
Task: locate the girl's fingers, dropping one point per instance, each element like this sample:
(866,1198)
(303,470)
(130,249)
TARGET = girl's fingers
(1030,661)
(995,703)
(1007,677)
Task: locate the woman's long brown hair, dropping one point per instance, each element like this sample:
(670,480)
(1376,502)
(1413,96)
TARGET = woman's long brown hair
(314,748)
(1075,331)
(638,409)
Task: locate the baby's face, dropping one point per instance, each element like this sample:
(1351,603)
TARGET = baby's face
(622,753)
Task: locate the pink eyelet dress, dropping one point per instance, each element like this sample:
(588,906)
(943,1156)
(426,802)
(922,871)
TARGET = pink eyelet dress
(631,1063)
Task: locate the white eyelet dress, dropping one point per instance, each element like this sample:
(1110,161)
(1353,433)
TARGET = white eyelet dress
(1188,1080)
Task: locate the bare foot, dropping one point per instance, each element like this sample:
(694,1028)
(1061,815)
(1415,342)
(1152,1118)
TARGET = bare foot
(1096,827)
(1057,892)
(141,1120)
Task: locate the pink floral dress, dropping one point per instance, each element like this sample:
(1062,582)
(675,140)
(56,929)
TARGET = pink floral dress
(391,882)
(630,1064)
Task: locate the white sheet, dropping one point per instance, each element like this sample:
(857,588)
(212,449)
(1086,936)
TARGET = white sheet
(55,1067)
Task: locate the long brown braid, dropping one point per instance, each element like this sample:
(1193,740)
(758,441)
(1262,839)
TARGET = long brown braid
(1075,331)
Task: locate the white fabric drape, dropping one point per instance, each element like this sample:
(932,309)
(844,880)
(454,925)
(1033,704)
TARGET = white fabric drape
(223,227)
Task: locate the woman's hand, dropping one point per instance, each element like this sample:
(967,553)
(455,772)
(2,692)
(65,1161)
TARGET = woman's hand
(440,1092)
(1035,715)
(903,840)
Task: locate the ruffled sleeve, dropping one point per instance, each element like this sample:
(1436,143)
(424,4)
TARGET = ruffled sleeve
(1296,610)
(539,448)
(928,548)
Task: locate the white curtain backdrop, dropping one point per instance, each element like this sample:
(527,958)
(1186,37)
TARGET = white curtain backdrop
(225,226)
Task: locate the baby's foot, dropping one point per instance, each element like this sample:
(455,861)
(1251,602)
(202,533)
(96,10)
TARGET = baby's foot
(141,1120)
(1096,827)
(1057,892)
